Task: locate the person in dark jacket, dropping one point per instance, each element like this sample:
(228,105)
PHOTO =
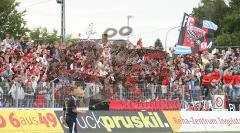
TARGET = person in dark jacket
(70,111)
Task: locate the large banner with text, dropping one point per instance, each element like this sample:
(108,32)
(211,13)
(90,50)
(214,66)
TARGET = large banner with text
(49,121)
(121,122)
(29,121)
(199,121)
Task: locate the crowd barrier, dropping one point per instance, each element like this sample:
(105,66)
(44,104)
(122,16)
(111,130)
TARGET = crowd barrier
(49,121)
(118,105)
(54,98)
(144,96)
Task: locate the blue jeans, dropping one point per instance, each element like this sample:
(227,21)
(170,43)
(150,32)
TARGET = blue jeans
(229,90)
(153,91)
(29,101)
(237,90)
(17,103)
(192,84)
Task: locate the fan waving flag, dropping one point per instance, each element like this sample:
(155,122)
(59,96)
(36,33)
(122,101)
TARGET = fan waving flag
(183,50)
(197,34)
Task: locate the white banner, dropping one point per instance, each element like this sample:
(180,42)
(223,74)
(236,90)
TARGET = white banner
(90,30)
(203,121)
(219,101)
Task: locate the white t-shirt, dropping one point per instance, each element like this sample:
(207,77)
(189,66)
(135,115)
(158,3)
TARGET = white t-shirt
(101,68)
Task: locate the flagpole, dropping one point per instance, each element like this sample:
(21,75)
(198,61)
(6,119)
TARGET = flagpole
(63,21)
(128,26)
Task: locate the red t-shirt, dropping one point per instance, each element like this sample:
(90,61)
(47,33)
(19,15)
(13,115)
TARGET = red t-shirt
(237,78)
(30,55)
(228,79)
(138,73)
(139,43)
(25,58)
(131,80)
(136,90)
(32,69)
(196,107)
(1,70)
(216,75)
(207,79)
(190,108)
(165,82)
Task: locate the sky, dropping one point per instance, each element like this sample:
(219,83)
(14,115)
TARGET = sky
(152,18)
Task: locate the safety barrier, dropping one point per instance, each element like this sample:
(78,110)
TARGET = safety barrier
(49,121)
(54,96)
(156,105)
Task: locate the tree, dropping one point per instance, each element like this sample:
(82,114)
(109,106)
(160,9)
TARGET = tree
(235,4)
(70,40)
(230,29)
(226,17)
(158,44)
(11,20)
(41,35)
(214,10)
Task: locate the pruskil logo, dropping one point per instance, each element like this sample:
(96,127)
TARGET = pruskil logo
(219,101)
(123,121)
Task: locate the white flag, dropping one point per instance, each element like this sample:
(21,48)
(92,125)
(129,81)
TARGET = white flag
(90,30)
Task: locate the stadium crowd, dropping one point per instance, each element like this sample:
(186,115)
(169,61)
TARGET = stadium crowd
(35,74)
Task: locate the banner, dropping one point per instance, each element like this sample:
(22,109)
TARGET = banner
(28,121)
(219,101)
(198,121)
(120,105)
(182,50)
(48,121)
(90,30)
(120,122)
(154,55)
(197,34)
(234,106)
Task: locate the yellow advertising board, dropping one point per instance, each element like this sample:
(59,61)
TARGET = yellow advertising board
(24,121)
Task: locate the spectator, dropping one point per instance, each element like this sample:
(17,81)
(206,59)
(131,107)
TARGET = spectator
(29,94)
(6,42)
(228,85)
(139,43)
(17,92)
(237,86)
(117,66)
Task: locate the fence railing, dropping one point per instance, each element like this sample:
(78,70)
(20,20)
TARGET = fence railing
(54,95)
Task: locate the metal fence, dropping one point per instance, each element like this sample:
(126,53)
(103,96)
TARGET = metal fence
(55,94)
(20,98)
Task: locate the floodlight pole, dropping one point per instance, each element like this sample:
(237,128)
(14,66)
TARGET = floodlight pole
(167,35)
(63,29)
(63,22)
